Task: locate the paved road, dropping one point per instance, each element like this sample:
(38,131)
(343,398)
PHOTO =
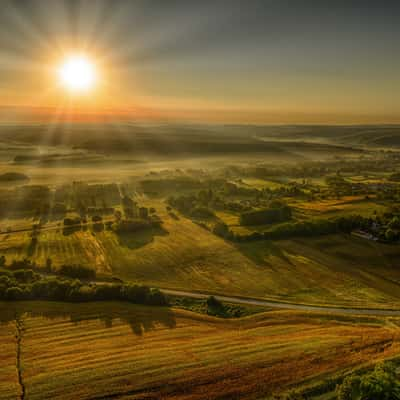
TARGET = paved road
(289,306)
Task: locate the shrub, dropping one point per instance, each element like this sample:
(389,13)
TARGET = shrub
(24,275)
(213,302)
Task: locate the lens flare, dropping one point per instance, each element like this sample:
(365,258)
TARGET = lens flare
(77,73)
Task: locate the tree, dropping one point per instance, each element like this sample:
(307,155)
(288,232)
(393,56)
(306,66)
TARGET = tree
(380,384)
(394,223)
(390,235)
(2,261)
(213,302)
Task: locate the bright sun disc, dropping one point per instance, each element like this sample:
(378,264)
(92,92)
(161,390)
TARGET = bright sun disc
(77,73)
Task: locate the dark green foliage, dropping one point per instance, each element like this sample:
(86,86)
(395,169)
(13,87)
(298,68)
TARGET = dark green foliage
(266,216)
(202,212)
(24,275)
(221,229)
(77,271)
(225,310)
(31,286)
(213,302)
(22,264)
(15,293)
(380,384)
(309,228)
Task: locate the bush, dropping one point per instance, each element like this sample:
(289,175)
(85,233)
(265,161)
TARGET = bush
(24,275)
(213,302)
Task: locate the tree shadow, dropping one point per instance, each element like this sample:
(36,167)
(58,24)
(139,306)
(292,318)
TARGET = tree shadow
(141,319)
(70,230)
(32,246)
(98,227)
(258,251)
(135,240)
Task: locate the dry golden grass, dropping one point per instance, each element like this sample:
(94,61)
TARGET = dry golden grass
(9,387)
(109,350)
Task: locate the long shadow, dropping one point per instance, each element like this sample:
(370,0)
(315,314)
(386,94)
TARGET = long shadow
(135,240)
(258,250)
(141,319)
(32,246)
(70,230)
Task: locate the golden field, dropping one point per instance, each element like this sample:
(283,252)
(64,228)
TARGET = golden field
(113,350)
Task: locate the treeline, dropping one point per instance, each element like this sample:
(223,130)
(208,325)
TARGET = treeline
(28,285)
(136,224)
(266,216)
(309,228)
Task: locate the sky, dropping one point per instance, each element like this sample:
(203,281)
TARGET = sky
(224,61)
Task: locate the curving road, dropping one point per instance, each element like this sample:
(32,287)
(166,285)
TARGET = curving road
(289,306)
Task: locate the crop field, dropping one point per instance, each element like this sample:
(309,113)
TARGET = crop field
(9,385)
(344,206)
(110,350)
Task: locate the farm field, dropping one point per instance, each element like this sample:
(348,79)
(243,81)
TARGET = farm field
(111,350)
(347,205)
(335,270)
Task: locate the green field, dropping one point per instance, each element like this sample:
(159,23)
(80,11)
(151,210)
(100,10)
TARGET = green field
(339,269)
(109,350)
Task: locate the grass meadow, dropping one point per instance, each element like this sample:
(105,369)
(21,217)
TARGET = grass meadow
(336,269)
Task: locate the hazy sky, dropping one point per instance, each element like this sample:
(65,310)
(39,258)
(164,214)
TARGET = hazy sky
(281,61)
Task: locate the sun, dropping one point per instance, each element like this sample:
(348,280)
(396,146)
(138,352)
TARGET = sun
(77,73)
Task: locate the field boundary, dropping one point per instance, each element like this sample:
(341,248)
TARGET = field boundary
(277,304)
(19,332)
